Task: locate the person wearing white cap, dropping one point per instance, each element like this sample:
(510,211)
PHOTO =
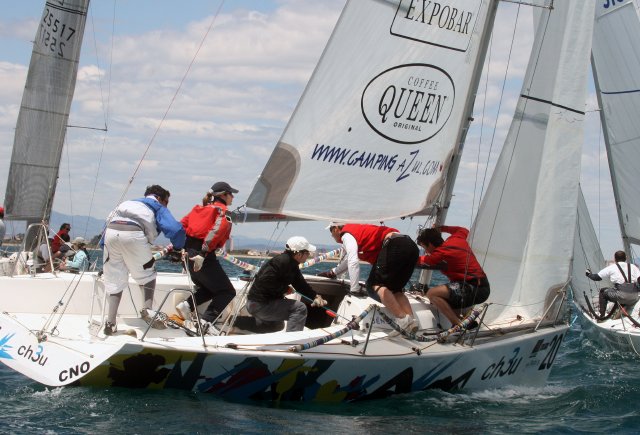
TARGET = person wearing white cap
(266,300)
(80,261)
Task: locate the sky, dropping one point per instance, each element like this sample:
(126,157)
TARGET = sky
(234,104)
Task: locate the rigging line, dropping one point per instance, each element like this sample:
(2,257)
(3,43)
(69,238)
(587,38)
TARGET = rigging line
(495,125)
(95,47)
(164,116)
(66,149)
(599,173)
(529,4)
(106,111)
(517,134)
(585,258)
(484,109)
(504,84)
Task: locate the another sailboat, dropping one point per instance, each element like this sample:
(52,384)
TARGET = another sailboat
(615,63)
(384,113)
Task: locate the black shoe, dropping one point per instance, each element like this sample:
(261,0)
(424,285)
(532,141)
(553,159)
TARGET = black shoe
(472,325)
(110,328)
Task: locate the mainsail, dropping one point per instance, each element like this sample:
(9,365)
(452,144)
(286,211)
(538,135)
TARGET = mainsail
(374,133)
(616,63)
(42,121)
(524,232)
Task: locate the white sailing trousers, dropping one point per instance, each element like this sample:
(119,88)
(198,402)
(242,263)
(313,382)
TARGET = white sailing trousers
(125,252)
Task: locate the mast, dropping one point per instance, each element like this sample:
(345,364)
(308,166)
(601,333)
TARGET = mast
(465,124)
(442,208)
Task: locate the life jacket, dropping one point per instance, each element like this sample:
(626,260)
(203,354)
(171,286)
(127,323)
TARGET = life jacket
(369,238)
(210,224)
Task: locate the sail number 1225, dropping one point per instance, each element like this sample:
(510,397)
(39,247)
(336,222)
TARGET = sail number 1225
(54,34)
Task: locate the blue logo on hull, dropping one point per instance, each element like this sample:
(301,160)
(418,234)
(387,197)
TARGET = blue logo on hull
(5,347)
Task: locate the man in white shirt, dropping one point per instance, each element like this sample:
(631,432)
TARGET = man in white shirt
(624,277)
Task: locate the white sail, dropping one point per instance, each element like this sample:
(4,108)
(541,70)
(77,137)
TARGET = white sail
(616,70)
(586,252)
(42,121)
(523,234)
(382,113)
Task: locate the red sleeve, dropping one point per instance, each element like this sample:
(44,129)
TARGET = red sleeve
(433,259)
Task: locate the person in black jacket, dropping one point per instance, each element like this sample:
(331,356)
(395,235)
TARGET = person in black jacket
(266,300)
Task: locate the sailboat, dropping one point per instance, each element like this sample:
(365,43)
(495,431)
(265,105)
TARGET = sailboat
(619,101)
(383,116)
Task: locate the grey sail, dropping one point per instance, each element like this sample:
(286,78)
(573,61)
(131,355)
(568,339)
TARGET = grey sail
(44,111)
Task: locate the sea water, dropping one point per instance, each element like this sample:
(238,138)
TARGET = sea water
(589,391)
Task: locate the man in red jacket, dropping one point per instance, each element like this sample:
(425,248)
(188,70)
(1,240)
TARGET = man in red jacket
(59,238)
(468,283)
(392,256)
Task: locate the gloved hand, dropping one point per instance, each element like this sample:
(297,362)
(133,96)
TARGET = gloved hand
(327,274)
(318,302)
(197,262)
(588,272)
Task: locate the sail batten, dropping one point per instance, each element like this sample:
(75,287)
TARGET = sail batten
(44,111)
(381,115)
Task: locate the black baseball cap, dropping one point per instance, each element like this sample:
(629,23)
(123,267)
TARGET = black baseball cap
(222,186)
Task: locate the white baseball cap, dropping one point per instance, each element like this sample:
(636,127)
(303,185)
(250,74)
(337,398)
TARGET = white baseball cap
(333,224)
(299,243)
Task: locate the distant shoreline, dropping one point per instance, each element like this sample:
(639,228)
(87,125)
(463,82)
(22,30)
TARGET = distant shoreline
(241,256)
(266,257)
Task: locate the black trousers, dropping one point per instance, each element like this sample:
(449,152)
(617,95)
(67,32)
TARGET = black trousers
(212,283)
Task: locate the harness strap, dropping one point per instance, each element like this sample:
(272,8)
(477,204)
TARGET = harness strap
(626,280)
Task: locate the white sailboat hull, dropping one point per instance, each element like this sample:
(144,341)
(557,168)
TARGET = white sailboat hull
(618,335)
(359,365)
